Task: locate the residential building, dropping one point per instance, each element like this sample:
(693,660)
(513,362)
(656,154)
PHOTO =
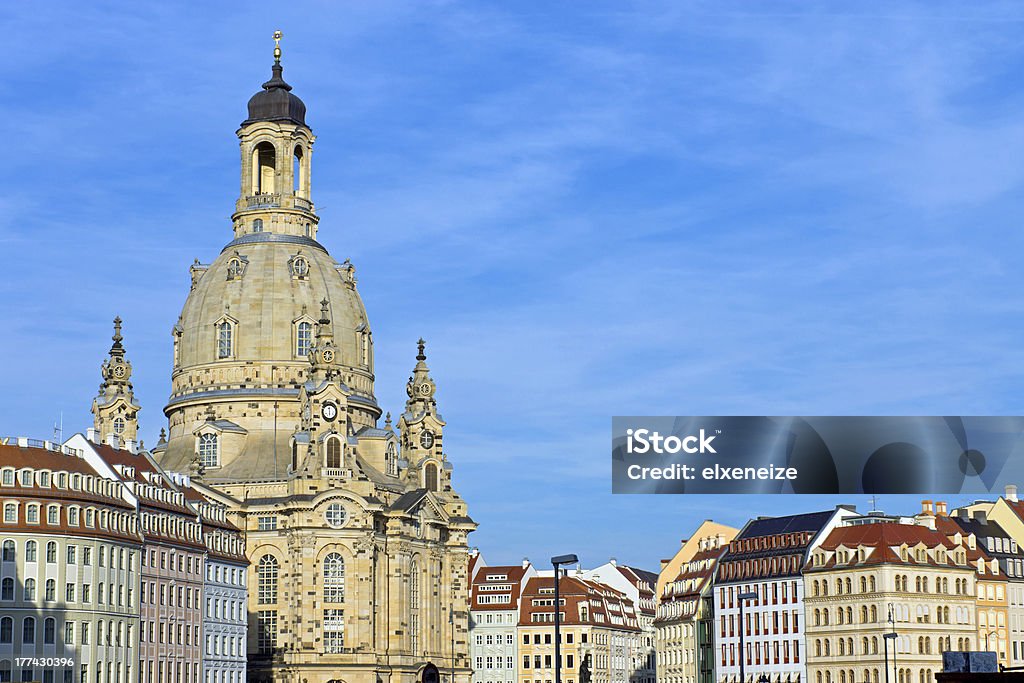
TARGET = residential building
(765,561)
(69,568)
(865,582)
(685,618)
(999,527)
(225,620)
(494,619)
(638,586)
(171,563)
(992,583)
(599,627)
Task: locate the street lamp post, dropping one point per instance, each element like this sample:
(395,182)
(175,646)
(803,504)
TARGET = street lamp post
(742,597)
(886,637)
(557,562)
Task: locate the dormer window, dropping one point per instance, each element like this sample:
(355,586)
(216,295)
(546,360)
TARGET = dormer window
(236,267)
(299,267)
(8,477)
(224,330)
(44,479)
(26,477)
(303,338)
(208,451)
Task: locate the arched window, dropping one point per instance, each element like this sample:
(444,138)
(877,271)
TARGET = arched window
(266,580)
(7,589)
(257,225)
(51,552)
(224,339)
(303,338)
(414,605)
(430,477)
(208,452)
(30,551)
(30,590)
(334,578)
(264,168)
(51,590)
(298,173)
(391,455)
(333,452)
(6,630)
(49,631)
(10,513)
(28,630)
(8,555)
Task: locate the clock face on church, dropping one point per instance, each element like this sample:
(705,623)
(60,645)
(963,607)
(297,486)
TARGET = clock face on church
(329,412)
(118,371)
(427,439)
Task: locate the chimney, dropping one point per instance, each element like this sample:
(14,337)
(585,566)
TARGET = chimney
(132,446)
(1011,493)
(114,441)
(980,517)
(926,507)
(526,563)
(613,562)
(90,434)
(940,507)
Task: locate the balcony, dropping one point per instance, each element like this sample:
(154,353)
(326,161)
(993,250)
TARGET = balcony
(263,201)
(304,204)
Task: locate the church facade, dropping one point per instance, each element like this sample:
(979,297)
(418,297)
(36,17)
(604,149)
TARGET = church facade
(356,539)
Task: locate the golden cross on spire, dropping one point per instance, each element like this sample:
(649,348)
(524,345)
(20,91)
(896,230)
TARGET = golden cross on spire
(277,46)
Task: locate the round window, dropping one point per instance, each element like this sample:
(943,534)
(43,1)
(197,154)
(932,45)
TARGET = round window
(300,267)
(335,515)
(119,425)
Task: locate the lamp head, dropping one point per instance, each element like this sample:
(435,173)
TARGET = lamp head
(564,559)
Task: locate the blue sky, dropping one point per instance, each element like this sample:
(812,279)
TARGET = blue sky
(594,209)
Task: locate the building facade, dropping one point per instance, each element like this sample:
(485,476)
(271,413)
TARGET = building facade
(69,568)
(494,619)
(171,563)
(685,620)
(1006,514)
(765,561)
(638,586)
(886,595)
(225,620)
(356,538)
(599,628)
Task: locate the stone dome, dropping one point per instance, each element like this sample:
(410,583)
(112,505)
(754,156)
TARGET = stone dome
(276,102)
(264,285)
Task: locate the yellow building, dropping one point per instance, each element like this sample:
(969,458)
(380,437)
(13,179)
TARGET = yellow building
(868,581)
(683,624)
(999,529)
(356,538)
(600,630)
(991,596)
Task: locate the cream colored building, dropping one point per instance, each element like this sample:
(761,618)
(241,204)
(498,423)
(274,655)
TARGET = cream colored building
(599,629)
(357,540)
(684,621)
(861,575)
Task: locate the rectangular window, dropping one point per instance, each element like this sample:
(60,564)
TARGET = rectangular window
(266,631)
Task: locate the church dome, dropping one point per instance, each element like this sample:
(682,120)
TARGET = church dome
(276,102)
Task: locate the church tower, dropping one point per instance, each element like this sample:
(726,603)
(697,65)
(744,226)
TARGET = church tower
(357,540)
(114,409)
